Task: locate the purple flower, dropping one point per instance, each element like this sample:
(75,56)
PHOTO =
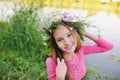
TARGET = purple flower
(34,5)
(67,17)
(39,29)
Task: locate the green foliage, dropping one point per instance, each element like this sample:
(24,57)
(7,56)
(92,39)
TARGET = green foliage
(3,31)
(21,32)
(93,74)
(14,66)
(22,48)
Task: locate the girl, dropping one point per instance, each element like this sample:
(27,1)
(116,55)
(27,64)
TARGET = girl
(66,60)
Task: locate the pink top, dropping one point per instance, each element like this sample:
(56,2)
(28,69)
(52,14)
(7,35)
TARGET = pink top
(76,67)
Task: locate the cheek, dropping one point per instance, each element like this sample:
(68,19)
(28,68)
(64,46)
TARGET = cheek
(60,45)
(72,39)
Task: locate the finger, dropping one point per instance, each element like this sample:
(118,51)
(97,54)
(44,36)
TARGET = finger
(58,60)
(62,60)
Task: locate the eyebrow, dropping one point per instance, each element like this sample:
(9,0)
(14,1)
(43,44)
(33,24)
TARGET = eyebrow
(63,35)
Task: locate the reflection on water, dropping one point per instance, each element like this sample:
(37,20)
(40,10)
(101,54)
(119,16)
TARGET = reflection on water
(114,57)
(108,62)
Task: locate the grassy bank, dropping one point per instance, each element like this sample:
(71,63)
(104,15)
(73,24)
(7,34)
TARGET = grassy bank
(22,48)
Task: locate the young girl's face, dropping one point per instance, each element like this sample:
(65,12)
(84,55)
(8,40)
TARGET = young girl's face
(64,39)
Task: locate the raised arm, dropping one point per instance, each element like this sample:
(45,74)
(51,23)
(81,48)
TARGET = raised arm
(91,36)
(101,45)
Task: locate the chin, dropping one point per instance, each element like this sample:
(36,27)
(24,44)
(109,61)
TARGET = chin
(71,51)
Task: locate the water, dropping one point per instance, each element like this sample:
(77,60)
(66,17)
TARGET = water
(107,63)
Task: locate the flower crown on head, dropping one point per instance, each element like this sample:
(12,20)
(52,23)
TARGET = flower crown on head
(69,20)
(67,17)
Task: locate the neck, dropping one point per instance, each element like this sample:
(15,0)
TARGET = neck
(69,56)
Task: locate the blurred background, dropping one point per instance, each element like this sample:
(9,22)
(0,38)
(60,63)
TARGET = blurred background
(92,6)
(17,64)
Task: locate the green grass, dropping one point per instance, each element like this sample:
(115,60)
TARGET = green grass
(22,48)
(16,66)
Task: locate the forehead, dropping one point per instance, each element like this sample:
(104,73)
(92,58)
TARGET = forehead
(61,31)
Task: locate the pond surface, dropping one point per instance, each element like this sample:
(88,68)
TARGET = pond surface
(109,62)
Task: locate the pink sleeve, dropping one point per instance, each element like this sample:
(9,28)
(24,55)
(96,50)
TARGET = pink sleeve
(51,66)
(100,46)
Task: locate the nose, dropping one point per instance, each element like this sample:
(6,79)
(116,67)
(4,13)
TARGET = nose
(66,42)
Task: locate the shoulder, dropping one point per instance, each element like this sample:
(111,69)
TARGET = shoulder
(81,50)
(50,61)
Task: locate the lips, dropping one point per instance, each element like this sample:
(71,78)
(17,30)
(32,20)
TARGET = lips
(69,47)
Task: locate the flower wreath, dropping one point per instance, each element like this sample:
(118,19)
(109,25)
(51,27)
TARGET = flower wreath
(71,21)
